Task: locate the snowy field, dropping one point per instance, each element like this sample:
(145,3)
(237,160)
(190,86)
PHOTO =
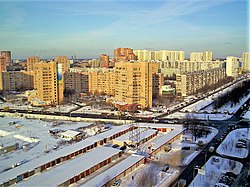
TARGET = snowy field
(228,146)
(215,168)
(32,136)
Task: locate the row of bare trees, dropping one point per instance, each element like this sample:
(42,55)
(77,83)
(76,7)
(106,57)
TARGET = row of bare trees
(235,95)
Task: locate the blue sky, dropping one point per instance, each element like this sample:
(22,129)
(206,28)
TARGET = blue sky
(90,28)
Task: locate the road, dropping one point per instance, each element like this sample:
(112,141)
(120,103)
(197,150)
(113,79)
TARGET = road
(224,129)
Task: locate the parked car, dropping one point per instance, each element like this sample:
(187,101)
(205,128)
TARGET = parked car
(115,146)
(243,140)
(165,167)
(216,159)
(231,174)
(240,146)
(117,182)
(185,148)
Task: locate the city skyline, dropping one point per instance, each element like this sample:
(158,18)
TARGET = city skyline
(90,28)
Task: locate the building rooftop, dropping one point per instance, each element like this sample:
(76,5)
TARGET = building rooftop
(111,173)
(71,168)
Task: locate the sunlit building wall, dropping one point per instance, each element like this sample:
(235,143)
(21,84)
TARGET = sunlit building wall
(133,82)
(246,61)
(232,66)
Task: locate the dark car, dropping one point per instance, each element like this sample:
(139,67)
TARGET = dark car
(115,146)
(185,148)
(231,174)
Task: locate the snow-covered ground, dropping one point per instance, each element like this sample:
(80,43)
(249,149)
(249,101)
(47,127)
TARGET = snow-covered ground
(204,110)
(175,158)
(228,146)
(32,136)
(247,115)
(214,168)
(21,106)
(207,116)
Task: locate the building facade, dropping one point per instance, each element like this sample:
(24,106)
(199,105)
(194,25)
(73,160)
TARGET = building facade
(76,82)
(179,67)
(17,81)
(104,61)
(133,82)
(48,84)
(123,54)
(190,83)
(6,55)
(162,55)
(246,61)
(64,61)
(232,66)
(31,61)
(201,56)
(101,82)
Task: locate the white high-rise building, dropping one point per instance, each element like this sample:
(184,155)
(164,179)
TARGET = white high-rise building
(232,66)
(196,56)
(201,56)
(162,55)
(207,56)
(246,61)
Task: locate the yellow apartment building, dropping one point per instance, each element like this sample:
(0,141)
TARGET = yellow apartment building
(133,82)
(48,84)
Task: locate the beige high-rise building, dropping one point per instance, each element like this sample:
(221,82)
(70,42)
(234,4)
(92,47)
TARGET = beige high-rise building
(201,56)
(246,61)
(232,66)
(48,84)
(76,81)
(31,61)
(133,82)
(6,55)
(123,54)
(64,61)
(207,56)
(101,81)
(196,56)
(104,61)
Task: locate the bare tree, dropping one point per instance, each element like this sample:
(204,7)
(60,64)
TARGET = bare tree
(147,177)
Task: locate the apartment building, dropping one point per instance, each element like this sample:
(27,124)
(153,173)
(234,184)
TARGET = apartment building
(48,84)
(17,81)
(162,55)
(64,61)
(76,82)
(201,56)
(123,54)
(190,82)
(101,81)
(232,66)
(179,67)
(133,82)
(31,61)
(246,61)
(6,57)
(104,61)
